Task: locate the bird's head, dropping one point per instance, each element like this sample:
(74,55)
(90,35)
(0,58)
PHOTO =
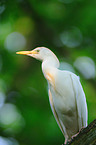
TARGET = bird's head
(40,53)
(36,53)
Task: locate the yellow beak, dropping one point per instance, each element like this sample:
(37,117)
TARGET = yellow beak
(26,52)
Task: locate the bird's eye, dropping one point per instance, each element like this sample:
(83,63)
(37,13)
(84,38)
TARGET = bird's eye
(38,50)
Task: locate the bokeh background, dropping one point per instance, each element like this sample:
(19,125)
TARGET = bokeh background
(68,28)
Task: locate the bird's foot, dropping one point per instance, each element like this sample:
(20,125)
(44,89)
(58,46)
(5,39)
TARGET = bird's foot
(81,129)
(74,135)
(66,140)
(65,143)
(77,133)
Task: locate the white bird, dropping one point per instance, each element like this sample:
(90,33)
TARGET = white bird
(66,95)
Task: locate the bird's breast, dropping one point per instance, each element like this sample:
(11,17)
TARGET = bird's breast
(61,88)
(63,95)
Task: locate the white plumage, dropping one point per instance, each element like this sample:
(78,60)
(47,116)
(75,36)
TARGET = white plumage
(66,95)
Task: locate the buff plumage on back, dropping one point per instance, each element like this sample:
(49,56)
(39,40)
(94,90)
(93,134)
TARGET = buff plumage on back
(66,95)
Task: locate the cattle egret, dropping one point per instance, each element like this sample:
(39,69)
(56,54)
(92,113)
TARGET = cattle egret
(66,95)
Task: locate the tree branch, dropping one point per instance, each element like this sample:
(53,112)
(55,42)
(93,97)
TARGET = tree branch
(86,136)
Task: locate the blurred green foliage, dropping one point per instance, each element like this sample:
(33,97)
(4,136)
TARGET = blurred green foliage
(68,28)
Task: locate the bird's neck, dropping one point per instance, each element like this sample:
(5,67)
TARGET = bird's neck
(49,64)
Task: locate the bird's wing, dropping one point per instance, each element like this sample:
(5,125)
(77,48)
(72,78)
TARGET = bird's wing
(55,113)
(80,101)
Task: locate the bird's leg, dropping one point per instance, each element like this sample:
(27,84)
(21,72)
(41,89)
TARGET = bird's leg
(66,139)
(77,132)
(74,135)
